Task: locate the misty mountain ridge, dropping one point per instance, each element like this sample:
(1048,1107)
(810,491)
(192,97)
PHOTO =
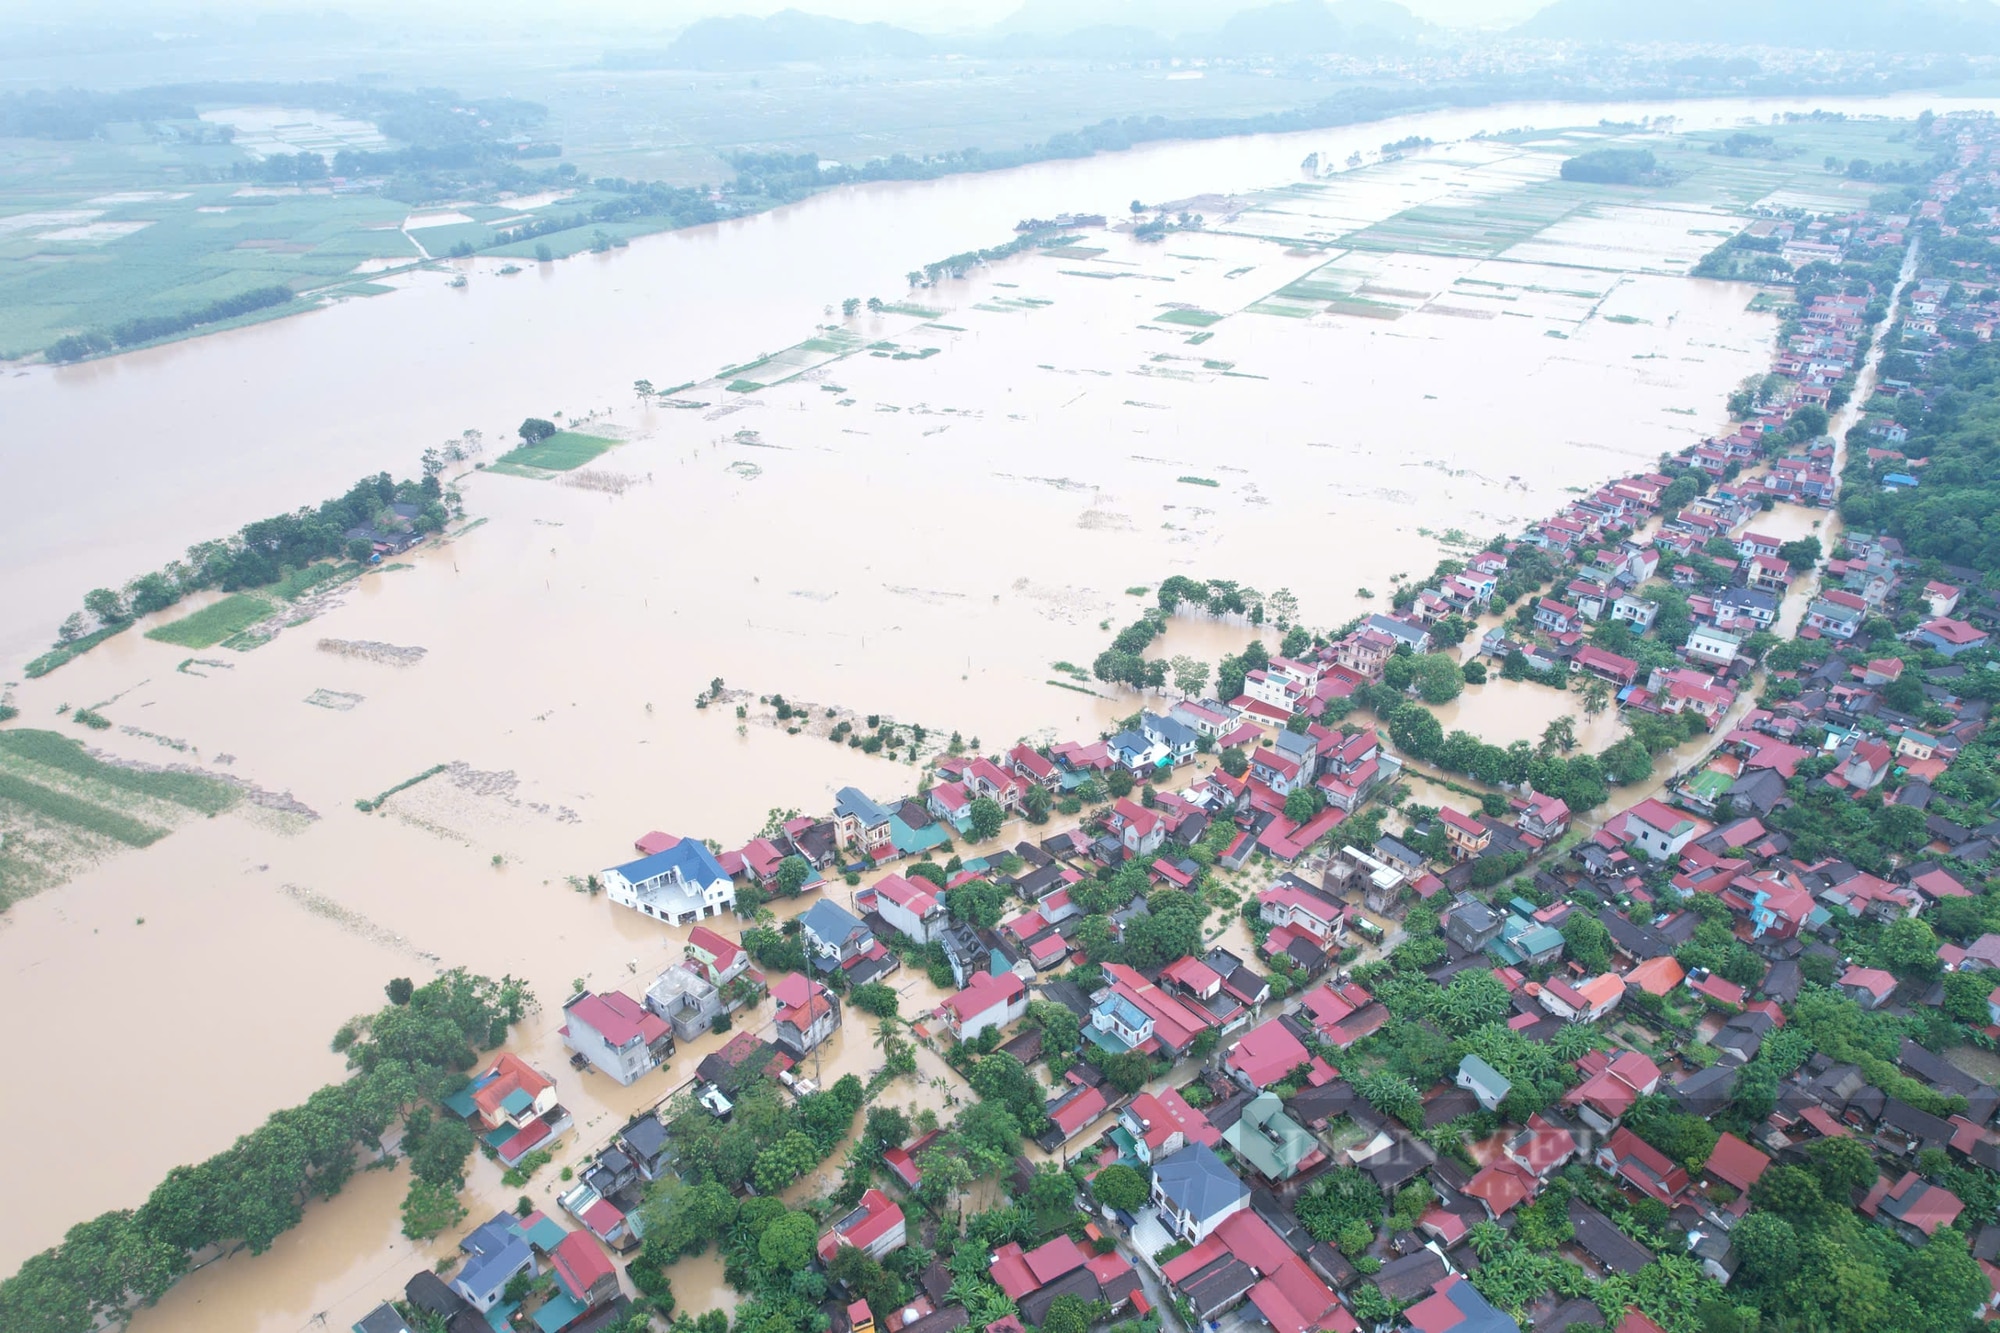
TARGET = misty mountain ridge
(1288,27)
(791,35)
(1892,26)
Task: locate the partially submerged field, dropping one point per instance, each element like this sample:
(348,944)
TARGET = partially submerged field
(215,622)
(564,451)
(62,809)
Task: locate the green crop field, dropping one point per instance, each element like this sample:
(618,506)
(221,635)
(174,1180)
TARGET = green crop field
(62,810)
(562,451)
(50,750)
(1199,319)
(212,624)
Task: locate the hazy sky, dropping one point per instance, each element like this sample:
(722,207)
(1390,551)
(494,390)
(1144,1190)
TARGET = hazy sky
(935,15)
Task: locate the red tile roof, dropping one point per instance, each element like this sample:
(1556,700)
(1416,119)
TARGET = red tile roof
(579,1264)
(1737,1162)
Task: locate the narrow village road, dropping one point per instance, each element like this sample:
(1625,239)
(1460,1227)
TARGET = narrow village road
(1792,609)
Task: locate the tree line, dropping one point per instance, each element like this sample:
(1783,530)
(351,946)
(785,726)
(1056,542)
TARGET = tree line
(411,1052)
(259,554)
(147,328)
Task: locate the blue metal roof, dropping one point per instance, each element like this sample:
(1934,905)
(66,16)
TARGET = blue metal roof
(696,864)
(485,1274)
(829,921)
(853,801)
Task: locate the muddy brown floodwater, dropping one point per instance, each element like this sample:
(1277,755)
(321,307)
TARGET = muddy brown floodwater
(922,537)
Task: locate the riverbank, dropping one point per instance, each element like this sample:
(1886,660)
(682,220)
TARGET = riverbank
(163,470)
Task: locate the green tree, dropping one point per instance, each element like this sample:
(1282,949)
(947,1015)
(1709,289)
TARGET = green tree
(1587,940)
(793,872)
(430,1210)
(1789,1191)
(874,998)
(987,818)
(1233,762)
(1416,731)
(1908,947)
(1841,1166)
(1190,675)
(1119,1186)
(787,1244)
(1301,804)
(535,429)
(1068,1314)
(1474,998)
(1767,1247)
(1439,679)
(440,1158)
(1061,1030)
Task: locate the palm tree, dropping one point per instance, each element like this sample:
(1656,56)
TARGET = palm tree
(1596,698)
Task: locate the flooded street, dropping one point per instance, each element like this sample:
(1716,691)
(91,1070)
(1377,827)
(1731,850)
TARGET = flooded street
(921,534)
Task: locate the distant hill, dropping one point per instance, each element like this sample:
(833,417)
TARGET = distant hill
(1311,27)
(1962,27)
(1058,18)
(741,41)
(1107,41)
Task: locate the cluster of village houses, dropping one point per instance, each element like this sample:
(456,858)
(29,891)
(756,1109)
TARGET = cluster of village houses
(1277,1110)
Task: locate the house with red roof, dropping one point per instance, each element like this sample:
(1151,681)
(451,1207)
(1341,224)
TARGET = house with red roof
(1035,1279)
(1468,837)
(1544,818)
(986,1002)
(1710,986)
(1658,830)
(1265,1055)
(1138,830)
(1136,1013)
(808,1013)
(1070,1113)
(616,1034)
(1586,1001)
(652,844)
(1916,1207)
(1290,903)
(583,1271)
(1455,1306)
(1642,1166)
(719,960)
(1501,1186)
(1735,1163)
(1161,1124)
(1867,766)
(988,779)
(951,802)
(1947,636)
(875,1227)
(1610,1087)
(914,907)
(1868,987)
(904,1161)
(1620,671)
(1542,1147)
(513,1092)
(1028,763)
(1243,1260)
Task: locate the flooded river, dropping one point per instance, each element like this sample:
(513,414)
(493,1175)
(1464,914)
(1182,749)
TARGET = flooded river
(924,537)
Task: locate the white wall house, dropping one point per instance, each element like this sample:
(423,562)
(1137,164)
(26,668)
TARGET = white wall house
(681,884)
